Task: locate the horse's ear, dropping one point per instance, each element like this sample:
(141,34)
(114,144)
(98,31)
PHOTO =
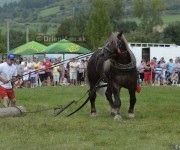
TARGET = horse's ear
(119,35)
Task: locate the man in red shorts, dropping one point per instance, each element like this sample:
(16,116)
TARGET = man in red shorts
(8,72)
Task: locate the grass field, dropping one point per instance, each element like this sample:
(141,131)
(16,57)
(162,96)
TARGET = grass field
(170,18)
(49,11)
(156,125)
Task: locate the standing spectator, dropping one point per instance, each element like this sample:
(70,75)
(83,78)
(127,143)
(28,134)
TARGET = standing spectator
(32,75)
(41,72)
(66,72)
(170,67)
(55,73)
(29,63)
(141,70)
(19,81)
(81,74)
(158,74)
(153,65)
(73,71)
(177,68)
(85,70)
(18,67)
(163,66)
(24,60)
(147,73)
(48,71)
(36,67)
(8,72)
(25,71)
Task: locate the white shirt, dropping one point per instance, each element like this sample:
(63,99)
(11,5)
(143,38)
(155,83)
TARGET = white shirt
(7,72)
(73,67)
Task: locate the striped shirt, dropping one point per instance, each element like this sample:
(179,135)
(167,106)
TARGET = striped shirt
(158,70)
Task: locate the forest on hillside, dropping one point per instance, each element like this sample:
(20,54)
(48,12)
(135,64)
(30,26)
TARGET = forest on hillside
(94,19)
(24,10)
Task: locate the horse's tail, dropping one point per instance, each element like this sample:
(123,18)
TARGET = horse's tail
(107,65)
(102,88)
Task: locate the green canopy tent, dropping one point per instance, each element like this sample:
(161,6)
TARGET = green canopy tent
(65,47)
(29,48)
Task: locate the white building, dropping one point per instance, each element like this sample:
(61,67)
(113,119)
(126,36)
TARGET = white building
(147,51)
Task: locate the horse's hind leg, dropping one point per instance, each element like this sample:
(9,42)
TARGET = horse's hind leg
(108,94)
(132,94)
(92,101)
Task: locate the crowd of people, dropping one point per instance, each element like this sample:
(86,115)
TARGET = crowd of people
(28,73)
(33,73)
(159,72)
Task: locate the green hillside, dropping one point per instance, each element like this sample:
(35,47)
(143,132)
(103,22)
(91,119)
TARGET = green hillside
(52,13)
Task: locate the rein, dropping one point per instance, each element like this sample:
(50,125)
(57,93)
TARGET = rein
(90,95)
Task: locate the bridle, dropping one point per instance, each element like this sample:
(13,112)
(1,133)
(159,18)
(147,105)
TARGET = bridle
(118,51)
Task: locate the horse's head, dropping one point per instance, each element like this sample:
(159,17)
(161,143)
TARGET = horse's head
(115,45)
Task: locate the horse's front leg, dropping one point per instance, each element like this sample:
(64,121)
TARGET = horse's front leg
(132,94)
(117,103)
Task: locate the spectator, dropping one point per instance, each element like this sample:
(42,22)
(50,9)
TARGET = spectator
(41,72)
(170,67)
(32,75)
(48,71)
(36,67)
(81,73)
(174,78)
(158,74)
(25,71)
(55,73)
(141,70)
(73,71)
(147,73)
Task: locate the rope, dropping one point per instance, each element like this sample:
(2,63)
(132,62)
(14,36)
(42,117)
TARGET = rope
(19,110)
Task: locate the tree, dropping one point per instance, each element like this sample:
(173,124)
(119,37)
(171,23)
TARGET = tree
(98,27)
(44,28)
(1,43)
(64,28)
(115,9)
(17,38)
(172,33)
(149,13)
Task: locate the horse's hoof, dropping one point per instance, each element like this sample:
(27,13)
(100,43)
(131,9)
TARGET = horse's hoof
(93,114)
(113,112)
(117,118)
(131,115)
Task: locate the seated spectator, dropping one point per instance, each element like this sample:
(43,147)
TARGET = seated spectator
(174,78)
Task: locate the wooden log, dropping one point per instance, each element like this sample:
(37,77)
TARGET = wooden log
(12,111)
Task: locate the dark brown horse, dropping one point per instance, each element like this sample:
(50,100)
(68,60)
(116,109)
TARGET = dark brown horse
(115,64)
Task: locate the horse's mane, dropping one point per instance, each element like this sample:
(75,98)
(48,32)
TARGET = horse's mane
(126,43)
